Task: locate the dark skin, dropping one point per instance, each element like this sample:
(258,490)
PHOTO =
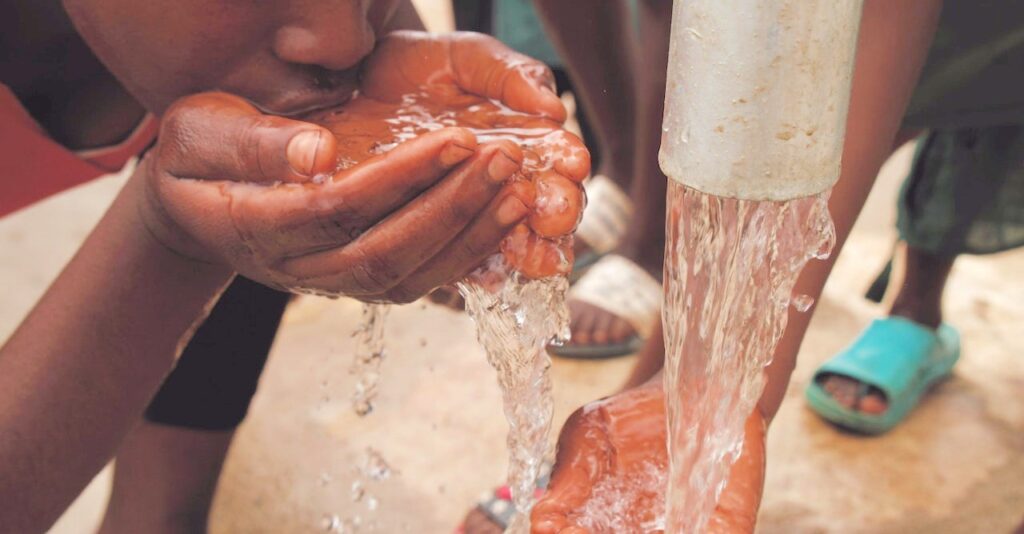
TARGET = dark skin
(603,55)
(227,78)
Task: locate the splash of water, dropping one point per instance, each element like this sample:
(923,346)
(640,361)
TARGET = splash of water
(369,356)
(730,268)
(612,505)
(515,320)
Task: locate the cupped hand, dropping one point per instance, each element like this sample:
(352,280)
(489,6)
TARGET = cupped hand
(459,70)
(453,64)
(617,444)
(229,184)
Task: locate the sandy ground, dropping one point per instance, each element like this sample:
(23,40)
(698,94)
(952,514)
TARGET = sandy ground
(955,466)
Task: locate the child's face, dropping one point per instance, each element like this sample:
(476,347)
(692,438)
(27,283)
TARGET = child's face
(287,56)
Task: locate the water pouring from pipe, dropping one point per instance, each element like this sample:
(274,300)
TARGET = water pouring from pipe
(755,114)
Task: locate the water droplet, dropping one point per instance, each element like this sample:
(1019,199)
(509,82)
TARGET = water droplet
(802,303)
(375,467)
(357,491)
(330,523)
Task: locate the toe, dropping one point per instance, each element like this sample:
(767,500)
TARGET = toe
(582,323)
(842,389)
(602,326)
(872,403)
(620,331)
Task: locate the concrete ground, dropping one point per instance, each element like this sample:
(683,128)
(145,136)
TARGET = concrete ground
(957,465)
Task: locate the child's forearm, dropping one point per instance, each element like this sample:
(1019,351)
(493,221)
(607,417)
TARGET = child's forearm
(77,373)
(894,41)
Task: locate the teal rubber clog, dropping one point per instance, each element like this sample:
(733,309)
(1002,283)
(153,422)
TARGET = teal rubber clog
(899,357)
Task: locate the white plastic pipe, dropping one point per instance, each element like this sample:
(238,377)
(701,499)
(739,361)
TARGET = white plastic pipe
(757,93)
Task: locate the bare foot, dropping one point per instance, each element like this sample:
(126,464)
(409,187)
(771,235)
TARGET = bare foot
(591,325)
(612,303)
(852,395)
(865,398)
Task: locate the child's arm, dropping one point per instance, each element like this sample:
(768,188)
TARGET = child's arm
(229,189)
(77,373)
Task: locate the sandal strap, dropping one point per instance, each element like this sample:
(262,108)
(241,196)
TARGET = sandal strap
(891,354)
(607,215)
(620,287)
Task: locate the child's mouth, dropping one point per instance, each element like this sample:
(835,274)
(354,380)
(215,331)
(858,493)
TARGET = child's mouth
(295,103)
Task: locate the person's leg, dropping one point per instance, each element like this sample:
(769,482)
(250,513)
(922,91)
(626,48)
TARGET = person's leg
(164,480)
(473,15)
(596,45)
(918,298)
(166,470)
(644,242)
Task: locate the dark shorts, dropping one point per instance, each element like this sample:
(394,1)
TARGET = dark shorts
(974,74)
(965,191)
(216,375)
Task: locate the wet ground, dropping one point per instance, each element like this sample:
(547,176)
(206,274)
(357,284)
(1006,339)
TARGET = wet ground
(957,465)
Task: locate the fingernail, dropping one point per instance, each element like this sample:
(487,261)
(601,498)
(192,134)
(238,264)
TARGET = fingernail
(501,167)
(510,210)
(453,153)
(302,150)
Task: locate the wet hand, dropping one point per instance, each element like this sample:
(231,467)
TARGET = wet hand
(619,439)
(459,63)
(460,68)
(229,184)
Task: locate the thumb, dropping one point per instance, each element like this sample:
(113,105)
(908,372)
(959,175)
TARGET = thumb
(217,136)
(484,66)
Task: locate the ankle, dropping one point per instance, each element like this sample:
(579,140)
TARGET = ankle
(929,315)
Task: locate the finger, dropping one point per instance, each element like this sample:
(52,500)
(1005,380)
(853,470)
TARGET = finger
(299,219)
(559,205)
(394,248)
(470,249)
(537,257)
(570,156)
(388,181)
(484,66)
(217,136)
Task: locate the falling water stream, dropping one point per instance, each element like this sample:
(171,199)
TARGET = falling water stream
(730,269)
(515,323)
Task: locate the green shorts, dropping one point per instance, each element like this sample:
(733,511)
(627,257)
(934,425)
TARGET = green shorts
(965,191)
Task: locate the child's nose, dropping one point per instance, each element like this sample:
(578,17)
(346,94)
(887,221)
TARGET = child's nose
(334,35)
